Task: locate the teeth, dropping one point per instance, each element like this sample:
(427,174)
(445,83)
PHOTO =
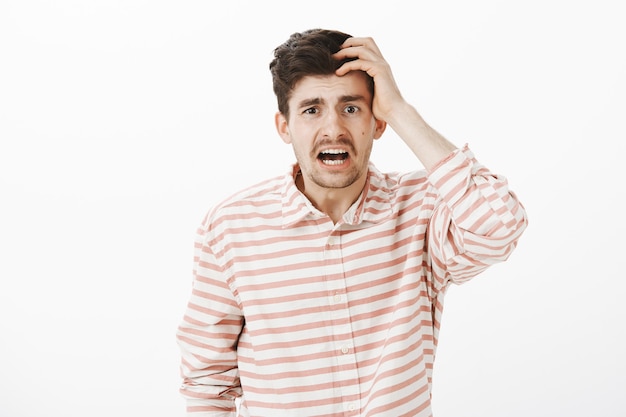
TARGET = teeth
(333,156)
(332,161)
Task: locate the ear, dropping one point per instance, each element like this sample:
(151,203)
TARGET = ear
(282,127)
(381,125)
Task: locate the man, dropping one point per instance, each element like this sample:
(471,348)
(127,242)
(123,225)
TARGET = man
(319,293)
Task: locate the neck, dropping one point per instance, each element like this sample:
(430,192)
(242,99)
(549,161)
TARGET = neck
(334,202)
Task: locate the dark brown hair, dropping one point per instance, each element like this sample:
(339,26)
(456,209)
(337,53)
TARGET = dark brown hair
(305,53)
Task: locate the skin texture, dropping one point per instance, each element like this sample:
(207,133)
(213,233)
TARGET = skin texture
(338,113)
(331,113)
(389,105)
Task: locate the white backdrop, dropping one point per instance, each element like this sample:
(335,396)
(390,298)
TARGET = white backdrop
(122,122)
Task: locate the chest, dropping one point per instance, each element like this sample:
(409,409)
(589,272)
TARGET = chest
(319,274)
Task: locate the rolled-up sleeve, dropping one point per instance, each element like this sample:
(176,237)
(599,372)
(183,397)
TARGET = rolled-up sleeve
(478,220)
(207,337)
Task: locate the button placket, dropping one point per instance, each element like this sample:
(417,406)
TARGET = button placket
(341,324)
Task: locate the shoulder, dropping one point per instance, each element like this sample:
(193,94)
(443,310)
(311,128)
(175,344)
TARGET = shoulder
(394,194)
(254,201)
(264,192)
(398,182)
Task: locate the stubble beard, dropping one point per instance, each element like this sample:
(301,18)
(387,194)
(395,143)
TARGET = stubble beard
(335,180)
(340,180)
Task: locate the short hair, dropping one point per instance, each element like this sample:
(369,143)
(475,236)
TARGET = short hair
(306,53)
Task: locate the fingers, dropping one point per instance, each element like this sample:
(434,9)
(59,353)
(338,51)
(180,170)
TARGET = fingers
(366,42)
(364,49)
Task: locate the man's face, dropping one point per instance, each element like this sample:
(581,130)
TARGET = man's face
(331,128)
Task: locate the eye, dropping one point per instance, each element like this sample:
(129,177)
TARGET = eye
(351,109)
(310,110)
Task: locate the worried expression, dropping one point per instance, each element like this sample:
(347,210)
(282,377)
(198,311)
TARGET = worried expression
(331,128)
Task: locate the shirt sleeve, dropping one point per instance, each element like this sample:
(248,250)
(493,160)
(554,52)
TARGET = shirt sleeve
(477,222)
(207,337)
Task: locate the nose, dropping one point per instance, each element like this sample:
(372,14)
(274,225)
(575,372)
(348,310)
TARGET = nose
(333,126)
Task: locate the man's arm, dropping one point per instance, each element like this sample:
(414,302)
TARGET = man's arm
(207,337)
(478,221)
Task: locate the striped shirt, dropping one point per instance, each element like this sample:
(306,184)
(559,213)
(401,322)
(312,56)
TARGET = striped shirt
(299,316)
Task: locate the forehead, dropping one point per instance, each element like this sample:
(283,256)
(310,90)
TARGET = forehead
(330,88)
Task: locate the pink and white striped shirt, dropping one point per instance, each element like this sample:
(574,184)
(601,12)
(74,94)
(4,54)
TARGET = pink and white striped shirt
(303,317)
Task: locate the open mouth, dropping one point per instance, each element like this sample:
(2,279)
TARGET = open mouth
(333,156)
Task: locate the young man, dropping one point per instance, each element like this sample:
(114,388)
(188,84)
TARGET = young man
(319,293)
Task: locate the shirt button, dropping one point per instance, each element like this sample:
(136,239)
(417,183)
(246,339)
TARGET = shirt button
(337,298)
(351,407)
(345,349)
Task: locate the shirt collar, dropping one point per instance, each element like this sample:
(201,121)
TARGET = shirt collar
(373,206)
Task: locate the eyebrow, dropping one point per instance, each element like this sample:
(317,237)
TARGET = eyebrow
(318,100)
